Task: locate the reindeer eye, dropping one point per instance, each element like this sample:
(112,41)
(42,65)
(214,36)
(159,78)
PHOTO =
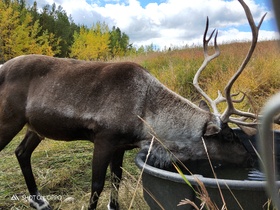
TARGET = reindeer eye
(232,137)
(229,137)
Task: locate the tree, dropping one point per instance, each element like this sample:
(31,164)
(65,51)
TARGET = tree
(91,44)
(25,30)
(141,50)
(55,20)
(119,42)
(8,22)
(62,29)
(19,35)
(34,12)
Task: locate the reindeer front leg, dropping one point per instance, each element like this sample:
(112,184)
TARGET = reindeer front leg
(103,152)
(23,153)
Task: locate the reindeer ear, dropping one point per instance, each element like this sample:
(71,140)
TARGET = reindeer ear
(211,129)
(203,105)
(248,130)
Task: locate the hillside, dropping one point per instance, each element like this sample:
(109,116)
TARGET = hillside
(259,80)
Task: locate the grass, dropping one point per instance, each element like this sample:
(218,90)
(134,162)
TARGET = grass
(62,171)
(259,80)
(64,168)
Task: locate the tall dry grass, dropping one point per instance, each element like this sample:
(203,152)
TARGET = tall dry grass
(259,80)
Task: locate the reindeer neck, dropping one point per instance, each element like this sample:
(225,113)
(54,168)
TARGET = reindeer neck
(171,117)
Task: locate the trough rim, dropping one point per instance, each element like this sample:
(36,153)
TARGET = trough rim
(208,182)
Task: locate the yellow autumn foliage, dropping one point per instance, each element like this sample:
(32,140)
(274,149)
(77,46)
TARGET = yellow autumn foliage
(19,35)
(91,44)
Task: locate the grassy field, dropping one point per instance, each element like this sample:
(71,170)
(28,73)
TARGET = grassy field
(63,170)
(259,80)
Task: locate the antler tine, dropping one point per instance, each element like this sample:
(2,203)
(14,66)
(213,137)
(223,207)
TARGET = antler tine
(207,59)
(241,121)
(206,41)
(220,98)
(225,117)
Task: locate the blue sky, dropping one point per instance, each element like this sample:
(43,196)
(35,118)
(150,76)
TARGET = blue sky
(168,23)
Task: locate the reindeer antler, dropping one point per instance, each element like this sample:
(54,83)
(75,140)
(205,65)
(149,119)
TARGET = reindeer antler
(207,59)
(230,110)
(225,117)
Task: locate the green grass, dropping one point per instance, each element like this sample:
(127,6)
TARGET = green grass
(62,170)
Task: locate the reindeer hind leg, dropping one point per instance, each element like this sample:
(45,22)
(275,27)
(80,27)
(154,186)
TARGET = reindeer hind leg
(8,131)
(23,153)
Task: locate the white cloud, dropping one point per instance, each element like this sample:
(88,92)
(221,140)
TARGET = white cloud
(233,34)
(173,22)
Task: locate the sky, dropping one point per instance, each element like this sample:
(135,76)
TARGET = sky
(172,23)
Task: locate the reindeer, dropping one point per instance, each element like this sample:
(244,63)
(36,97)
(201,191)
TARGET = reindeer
(115,106)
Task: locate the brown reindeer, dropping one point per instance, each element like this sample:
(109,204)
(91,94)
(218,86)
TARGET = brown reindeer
(117,106)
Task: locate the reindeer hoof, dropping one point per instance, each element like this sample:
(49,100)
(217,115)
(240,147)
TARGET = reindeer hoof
(38,202)
(112,206)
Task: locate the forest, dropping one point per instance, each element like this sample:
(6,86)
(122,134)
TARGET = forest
(26,29)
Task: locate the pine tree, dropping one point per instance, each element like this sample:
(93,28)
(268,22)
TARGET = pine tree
(119,42)
(55,20)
